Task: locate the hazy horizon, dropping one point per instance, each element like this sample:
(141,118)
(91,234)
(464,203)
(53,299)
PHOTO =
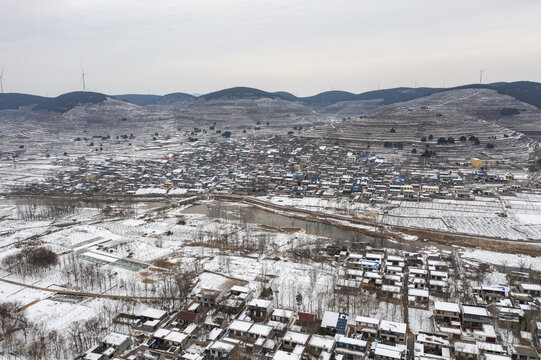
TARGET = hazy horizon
(305,47)
(201,94)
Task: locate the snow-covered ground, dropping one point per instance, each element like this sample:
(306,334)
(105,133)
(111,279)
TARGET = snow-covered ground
(137,254)
(478,217)
(505,260)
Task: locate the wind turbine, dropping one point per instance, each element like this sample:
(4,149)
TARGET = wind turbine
(83,77)
(481,76)
(2,81)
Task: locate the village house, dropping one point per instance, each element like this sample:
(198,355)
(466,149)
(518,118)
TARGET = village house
(389,352)
(238,329)
(438,286)
(307,321)
(209,298)
(394,260)
(521,352)
(170,341)
(432,346)
(417,273)
(487,349)
(188,317)
(241,292)
(447,314)
(509,314)
(192,331)
(108,347)
(491,294)
(334,322)
(318,344)
(418,283)
(533,290)
(438,275)
(281,315)
(350,348)
(438,265)
(395,280)
(367,327)
(259,331)
(372,279)
(260,309)
(418,297)
(354,274)
(220,350)
(293,339)
(466,351)
(150,319)
(232,305)
(392,333)
(394,270)
(282,355)
(522,300)
(347,285)
(487,334)
(391,292)
(474,317)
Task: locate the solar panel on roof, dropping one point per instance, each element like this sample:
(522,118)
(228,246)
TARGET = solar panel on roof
(341,323)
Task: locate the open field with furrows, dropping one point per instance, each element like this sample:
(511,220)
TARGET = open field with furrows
(474,218)
(506,218)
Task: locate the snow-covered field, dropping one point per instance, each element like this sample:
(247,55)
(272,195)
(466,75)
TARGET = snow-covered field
(524,262)
(478,217)
(136,255)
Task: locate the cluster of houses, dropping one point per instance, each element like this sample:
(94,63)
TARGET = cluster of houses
(234,324)
(296,167)
(416,276)
(469,331)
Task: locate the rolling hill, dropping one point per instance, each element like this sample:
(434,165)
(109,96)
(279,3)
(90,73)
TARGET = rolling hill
(453,114)
(385,97)
(138,99)
(525,91)
(174,98)
(68,101)
(244,93)
(14,100)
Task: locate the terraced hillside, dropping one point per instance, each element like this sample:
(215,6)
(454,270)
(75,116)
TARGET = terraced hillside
(502,110)
(352,108)
(446,114)
(239,113)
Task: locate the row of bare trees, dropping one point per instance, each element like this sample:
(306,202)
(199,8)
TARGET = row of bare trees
(52,210)
(22,338)
(90,276)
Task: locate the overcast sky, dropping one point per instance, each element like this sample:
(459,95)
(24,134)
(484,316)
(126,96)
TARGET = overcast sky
(305,47)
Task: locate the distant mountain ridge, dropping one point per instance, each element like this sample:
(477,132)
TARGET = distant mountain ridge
(388,96)
(138,99)
(526,91)
(241,92)
(66,102)
(12,101)
(173,98)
